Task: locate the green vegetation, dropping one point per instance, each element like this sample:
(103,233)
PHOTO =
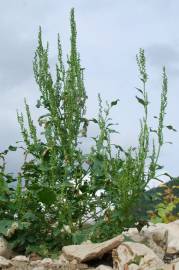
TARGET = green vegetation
(162,202)
(63,195)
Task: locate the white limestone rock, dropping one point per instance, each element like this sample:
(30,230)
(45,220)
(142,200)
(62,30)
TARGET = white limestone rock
(136,255)
(4,262)
(87,252)
(5,250)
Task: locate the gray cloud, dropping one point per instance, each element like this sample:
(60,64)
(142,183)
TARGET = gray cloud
(164,54)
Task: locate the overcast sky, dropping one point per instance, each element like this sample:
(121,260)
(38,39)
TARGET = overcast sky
(110,33)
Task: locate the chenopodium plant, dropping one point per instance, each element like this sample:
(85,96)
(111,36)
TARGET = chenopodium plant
(122,178)
(55,197)
(61,190)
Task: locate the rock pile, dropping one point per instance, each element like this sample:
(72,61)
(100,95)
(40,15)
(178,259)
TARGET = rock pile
(155,247)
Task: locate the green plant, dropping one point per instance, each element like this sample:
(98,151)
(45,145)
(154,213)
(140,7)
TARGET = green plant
(123,179)
(164,211)
(7,209)
(56,171)
(62,195)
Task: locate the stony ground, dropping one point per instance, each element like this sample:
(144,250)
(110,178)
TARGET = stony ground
(155,248)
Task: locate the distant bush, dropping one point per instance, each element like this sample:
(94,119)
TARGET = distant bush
(165,203)
(63,195)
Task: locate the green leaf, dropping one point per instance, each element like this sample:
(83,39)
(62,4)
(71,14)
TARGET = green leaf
(153,130)
(156,220)
(81,236)
(34,187)
(94,121)
(159,167)
(12,148)
(10,179)
(162,212)
(30,216)
(171,128)
(141,101)
(24,225)
(113,103)
(170,207)
(5,224)
(43,167)
(171,177)
(98,167)
(140,90)
(47,196)
(113,131)
(3,198)
(38,103)
(57,232)
(119,147)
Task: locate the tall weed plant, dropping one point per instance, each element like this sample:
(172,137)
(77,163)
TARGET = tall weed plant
(63,195)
